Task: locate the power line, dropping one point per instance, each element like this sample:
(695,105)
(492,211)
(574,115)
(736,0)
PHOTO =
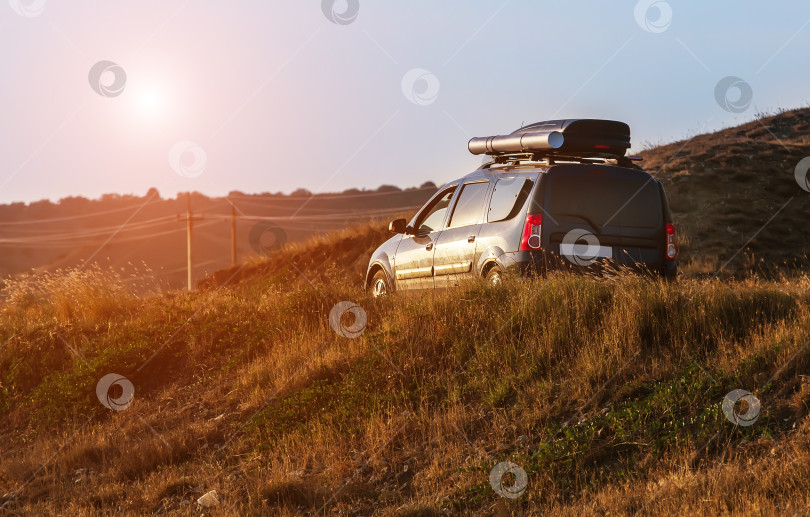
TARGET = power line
(51,240)
(91,232)
(288,206)
(96,214)
(330,217)
(316,197)
(62,243)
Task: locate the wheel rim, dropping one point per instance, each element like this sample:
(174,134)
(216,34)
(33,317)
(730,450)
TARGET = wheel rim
(379,288)
(495,278)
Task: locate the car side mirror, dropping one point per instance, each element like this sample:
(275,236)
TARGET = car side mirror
(397,226)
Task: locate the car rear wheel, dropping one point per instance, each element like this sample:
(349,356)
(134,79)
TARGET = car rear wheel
(494,276)
(379,285)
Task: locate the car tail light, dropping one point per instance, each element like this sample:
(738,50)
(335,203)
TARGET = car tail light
(531,233)
(671,249)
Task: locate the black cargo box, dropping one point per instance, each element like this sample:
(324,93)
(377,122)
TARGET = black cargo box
(590,137)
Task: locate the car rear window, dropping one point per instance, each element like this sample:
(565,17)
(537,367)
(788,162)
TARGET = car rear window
(605,200)
(508,198)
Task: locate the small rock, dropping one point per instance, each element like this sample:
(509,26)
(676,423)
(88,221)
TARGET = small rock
(209,499)
(522,440)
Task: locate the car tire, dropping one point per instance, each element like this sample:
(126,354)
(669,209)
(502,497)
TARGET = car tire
(379,284)
(494,276)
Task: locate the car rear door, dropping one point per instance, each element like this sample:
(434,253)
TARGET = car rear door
(455,246)
(413,263)
(595,213)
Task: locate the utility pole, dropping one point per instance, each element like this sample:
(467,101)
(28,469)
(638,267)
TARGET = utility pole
(233,235)
(189,218)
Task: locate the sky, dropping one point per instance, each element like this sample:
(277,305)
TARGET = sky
(273,95)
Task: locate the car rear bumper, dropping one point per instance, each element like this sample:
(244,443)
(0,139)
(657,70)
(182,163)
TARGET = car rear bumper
(539,262)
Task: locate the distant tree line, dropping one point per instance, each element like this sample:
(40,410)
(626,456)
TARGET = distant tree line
(77,205)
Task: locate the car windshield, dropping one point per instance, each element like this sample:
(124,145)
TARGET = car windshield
(606,201)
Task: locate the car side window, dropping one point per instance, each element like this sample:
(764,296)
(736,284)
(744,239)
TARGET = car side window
(508,198)
(470,202)
(431,219)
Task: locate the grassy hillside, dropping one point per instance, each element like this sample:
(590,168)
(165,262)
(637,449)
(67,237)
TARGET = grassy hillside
(724,188)
(606,392)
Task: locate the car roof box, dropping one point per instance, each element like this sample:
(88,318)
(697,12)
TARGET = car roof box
(570,137)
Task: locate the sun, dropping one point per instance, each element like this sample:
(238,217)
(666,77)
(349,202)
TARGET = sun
(151,105)
(151,100)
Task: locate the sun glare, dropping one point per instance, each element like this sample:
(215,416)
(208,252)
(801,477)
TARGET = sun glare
(151,105)
(151,100)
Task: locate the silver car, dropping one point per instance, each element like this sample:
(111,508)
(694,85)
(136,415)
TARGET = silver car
(528,214)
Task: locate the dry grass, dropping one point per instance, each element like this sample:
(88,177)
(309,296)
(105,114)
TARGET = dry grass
(77,296)
(606,391)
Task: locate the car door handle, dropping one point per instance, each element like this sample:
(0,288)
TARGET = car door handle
(429,246)
(471,238)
